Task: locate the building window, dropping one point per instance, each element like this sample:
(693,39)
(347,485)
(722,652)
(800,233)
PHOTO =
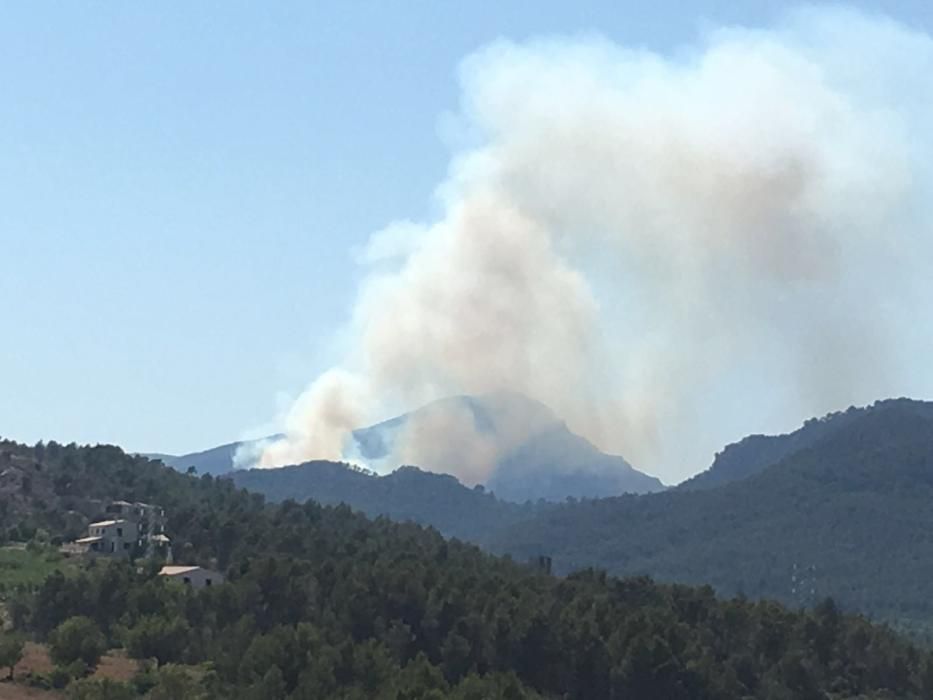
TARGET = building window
(119,532)
(187,580)
(207,582)
(126,545)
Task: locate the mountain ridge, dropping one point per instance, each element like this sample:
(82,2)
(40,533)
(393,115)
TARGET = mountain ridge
(408,494)
(855,507)
(545,461)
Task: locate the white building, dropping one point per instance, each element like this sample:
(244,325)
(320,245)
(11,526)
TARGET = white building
(136,530)
(150,520)
(116,538)
(193,576)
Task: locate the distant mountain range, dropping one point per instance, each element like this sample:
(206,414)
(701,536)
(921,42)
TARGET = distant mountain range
(536,456)
(842,507)
(215,460)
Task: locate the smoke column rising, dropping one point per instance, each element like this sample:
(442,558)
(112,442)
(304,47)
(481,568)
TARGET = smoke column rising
(623,232)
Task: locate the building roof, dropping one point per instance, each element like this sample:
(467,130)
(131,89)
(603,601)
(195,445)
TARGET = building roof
(177,570)
(88,540)
(160,538)
(121,503)
(106,523)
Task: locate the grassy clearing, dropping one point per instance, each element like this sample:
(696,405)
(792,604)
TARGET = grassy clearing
(27,566)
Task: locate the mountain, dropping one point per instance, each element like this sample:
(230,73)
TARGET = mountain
(407,494)
(843,507)
(215,460)
(555,464)
(320,602)
(532,454)
(849,514)
(756,453)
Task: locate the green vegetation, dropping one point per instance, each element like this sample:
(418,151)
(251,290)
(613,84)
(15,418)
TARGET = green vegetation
(11,651)
(438,500)
(849,515)
(77,639)
(840,507)
(321,602)
(27,566)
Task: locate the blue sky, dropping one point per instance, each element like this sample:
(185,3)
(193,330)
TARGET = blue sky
(182,187)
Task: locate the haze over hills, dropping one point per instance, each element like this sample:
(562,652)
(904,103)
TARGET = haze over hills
(847,512)
(214,460)
(842,506)
(527,452)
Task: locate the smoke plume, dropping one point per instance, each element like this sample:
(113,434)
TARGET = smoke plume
(659,248)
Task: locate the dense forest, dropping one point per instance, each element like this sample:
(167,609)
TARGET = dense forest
(323,603)
(840,507)
(849,516)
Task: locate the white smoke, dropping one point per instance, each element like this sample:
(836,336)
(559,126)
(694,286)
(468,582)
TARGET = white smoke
(625,234)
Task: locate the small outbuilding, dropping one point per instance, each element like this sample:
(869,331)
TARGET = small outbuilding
(194,576)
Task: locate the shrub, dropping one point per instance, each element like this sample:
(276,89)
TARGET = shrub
(77,639)
(11,651)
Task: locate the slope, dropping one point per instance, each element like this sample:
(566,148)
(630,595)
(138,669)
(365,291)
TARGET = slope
(755,453)
(320,602)
(214,460)
(851,516)
(407,494)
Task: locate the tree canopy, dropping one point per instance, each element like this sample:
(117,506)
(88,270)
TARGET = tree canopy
(322,602)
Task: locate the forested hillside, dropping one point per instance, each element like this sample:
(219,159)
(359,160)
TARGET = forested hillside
(849,516)
(755,453)
(438,500)
(323,603)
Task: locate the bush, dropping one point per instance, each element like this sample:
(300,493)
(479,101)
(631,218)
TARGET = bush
(11,651)
(37,680)
(77,639)
(59,677)
(146,678)
(160,638)
(181,682)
